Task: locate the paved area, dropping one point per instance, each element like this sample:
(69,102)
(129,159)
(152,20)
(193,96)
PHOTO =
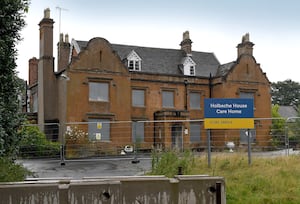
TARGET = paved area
(85,168)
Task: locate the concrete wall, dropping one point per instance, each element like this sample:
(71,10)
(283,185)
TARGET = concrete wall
(118,190)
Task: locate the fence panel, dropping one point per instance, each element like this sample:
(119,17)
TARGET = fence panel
(100,138)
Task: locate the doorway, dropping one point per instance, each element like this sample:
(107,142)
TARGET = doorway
(177,135)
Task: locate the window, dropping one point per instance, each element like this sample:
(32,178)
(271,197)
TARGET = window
(99,129)
(98,91)
(195,101)
(134,61)
(246,95)
(138,98)
(138,132)
(131,65)
(195,132)
(134,65)
(137,65)
(168,99)
(189,66)
(192,70)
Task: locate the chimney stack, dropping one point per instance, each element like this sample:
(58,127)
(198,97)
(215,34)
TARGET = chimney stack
(63,52)
(47,88)
(186,43)
(33,71)
(246,47)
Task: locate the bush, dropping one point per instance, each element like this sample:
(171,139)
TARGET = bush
(169,163)
(35,144)
(10,172)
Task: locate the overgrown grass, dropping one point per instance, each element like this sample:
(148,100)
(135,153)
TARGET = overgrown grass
(267,180)
(10,171)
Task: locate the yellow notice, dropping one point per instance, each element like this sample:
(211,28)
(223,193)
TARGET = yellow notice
(99,125)
(229,123)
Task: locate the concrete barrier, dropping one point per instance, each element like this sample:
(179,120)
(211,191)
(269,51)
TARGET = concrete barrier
(182,189)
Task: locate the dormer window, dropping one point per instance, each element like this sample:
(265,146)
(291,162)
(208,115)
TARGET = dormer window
(189,66)
(134,61)
(192,70)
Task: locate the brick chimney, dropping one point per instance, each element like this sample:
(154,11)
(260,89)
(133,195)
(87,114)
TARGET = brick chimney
(63,52)
(47,86)
(33,71)
(246,47)
(186,43)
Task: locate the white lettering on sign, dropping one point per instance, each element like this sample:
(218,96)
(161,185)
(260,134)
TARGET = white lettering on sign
(239,105)
(231,111)
(220,111)
(227,105)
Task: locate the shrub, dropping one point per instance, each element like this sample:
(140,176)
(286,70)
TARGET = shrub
(10,172)
(77,143)
(168,163)
(35,144)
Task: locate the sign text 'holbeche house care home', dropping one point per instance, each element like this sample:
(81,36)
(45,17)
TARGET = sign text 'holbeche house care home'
(230,113)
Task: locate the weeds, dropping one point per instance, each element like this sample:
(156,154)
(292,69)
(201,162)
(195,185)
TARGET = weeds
(266,180)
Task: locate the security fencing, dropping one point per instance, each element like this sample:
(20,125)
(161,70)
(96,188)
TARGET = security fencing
(101,138)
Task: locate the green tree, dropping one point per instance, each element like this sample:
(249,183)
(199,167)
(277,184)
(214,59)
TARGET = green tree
(12,15)
(285,93)
(278,126)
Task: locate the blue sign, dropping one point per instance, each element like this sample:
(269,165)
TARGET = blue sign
(228,108)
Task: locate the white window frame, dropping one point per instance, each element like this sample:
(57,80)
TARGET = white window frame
(134,62)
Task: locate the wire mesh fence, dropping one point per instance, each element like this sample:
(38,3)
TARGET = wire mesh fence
(100,138)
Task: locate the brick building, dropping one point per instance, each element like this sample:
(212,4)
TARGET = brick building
(100,82)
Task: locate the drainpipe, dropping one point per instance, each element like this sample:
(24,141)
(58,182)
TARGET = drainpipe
(186,94)
(210,85)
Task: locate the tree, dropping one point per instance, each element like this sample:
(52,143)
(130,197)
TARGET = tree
(12,14)
(278,127)
(286,93)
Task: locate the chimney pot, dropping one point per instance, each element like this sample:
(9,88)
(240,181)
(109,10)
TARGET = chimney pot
(66,38)
(61,37)
(186,43)
(47,13)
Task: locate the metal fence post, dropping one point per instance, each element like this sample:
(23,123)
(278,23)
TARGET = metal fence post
(62,147)
(208,149)
(249,147)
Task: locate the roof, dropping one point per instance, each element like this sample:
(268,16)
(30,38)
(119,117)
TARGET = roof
(287,111)
(165,61)
(224,69)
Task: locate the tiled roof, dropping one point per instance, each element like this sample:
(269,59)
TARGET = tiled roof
(287,111)
(165,61)
(225,68)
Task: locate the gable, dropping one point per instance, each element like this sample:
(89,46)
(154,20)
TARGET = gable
(189,66)
(97,55)
(244,69)
(133,61)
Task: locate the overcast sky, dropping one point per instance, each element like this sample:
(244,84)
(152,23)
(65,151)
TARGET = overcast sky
(215,26)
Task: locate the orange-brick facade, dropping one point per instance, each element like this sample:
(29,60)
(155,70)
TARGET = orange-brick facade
(143,84)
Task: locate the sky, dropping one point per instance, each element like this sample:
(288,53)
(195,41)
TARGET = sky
(214,25)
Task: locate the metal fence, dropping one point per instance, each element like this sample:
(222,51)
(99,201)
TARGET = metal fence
(99,138)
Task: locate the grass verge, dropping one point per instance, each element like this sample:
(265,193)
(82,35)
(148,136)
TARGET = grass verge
(273,180)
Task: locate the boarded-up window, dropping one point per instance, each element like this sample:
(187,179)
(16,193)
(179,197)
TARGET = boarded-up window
(99,129)
(138,132)
(138,98)
(195,132)
(98,91)
(168,99)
